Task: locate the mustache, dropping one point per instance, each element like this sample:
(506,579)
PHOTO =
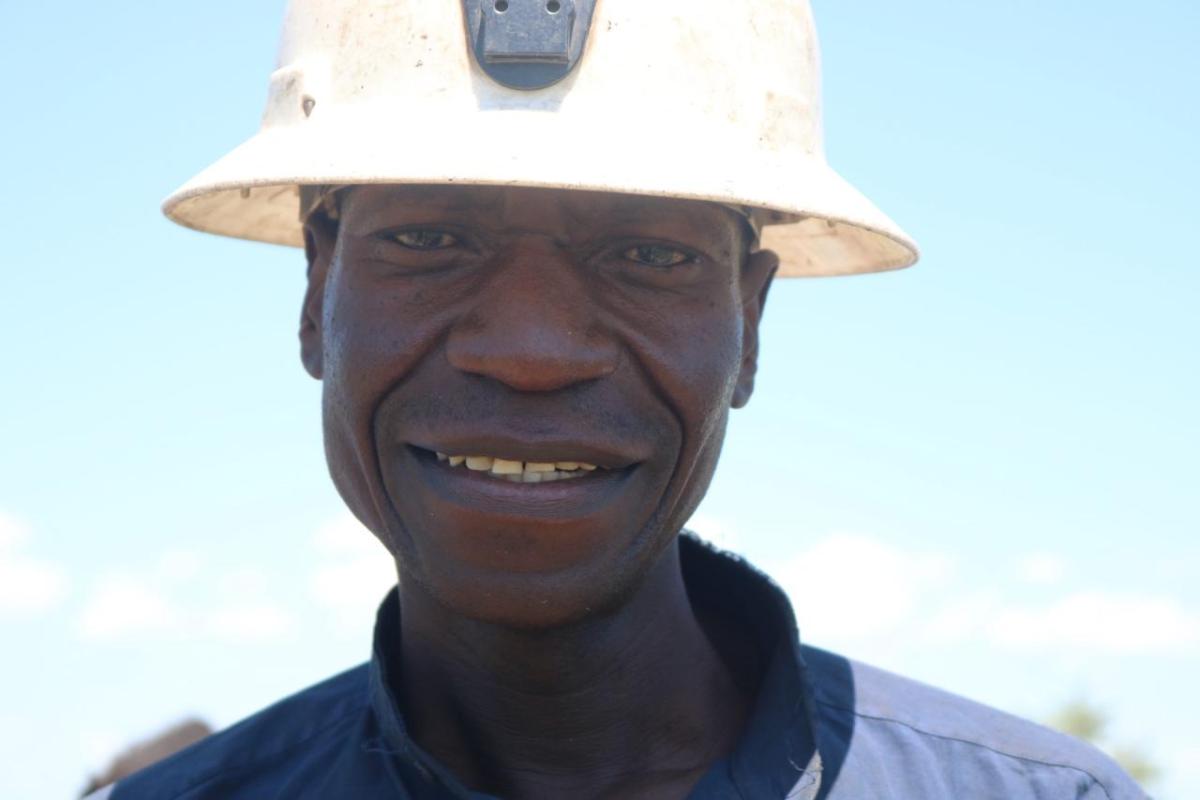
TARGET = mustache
(588,411)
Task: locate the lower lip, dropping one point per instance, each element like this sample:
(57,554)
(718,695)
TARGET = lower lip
(569,497)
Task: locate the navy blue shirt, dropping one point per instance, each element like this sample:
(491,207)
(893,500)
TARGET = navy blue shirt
(822,728)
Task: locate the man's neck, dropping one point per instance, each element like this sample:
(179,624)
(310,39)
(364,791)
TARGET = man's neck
(636,705)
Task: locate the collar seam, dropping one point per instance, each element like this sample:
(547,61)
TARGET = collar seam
(960,740)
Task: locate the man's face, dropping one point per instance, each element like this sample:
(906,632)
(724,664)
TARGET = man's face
(606,335)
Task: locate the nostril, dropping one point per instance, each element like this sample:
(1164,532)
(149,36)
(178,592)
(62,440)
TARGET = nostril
(527,359)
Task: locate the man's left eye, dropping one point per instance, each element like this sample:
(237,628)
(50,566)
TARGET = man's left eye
(425,239)
(656,255)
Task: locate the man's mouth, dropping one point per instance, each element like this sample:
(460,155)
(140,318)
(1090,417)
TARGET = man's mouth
(520,471)
(506,478)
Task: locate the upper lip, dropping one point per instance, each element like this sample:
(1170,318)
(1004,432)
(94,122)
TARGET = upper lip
(542,450)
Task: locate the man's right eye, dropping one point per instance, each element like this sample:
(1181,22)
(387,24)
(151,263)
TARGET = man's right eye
(425,239)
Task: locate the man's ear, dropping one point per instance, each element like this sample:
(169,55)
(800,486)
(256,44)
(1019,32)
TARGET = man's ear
(757,274)
(320,238)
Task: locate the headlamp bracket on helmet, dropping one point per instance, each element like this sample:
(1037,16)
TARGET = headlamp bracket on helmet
(528,44)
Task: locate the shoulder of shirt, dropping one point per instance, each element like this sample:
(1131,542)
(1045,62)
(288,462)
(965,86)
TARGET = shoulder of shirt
(877,699)
(257,742)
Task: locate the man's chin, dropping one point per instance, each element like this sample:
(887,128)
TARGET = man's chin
(529,603)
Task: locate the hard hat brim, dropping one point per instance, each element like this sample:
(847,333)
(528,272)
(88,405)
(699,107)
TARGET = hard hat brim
(814,219)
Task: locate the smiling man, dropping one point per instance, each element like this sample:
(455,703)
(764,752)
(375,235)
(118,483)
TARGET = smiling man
(540,238)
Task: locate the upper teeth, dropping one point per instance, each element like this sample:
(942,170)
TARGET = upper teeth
(521,471)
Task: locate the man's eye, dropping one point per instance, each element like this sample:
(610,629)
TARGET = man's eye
(656,255)
(425,239)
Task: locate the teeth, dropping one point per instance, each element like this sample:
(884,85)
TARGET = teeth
(502,467)
(521,472)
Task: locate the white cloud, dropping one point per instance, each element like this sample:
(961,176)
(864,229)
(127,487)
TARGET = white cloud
(1112,623)
(1042,569)
(962,619)
(853,586)
(246,613)
(242,582)
(28,586)
(14,533)
(252,622)
(180,566)
(1083,622)
(714,530)
(98,746)
(861,588)
(123,605)
(355,571)
(1086,621)
(235,606)
(345,536)
(1182,761)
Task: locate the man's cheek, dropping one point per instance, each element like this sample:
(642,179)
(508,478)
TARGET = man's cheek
(368,348)
(351,459)
(364,360)
(711,356)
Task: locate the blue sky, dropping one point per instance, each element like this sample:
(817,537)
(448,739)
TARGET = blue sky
(981,472)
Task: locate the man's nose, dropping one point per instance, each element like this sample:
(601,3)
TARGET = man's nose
(533,326)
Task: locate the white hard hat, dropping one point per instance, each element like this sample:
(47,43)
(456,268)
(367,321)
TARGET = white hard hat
(715,100)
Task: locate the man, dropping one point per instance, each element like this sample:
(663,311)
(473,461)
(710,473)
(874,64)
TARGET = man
(540,238)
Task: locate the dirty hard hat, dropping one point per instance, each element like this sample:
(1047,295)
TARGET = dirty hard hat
(715,100)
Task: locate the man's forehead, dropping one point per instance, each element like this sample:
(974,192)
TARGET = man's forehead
(496,199)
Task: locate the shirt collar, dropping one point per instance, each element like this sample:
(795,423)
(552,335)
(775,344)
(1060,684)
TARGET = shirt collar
(777,754)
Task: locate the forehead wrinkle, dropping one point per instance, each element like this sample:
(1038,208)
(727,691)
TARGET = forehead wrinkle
(444,197)
(637,209)
(634,208)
